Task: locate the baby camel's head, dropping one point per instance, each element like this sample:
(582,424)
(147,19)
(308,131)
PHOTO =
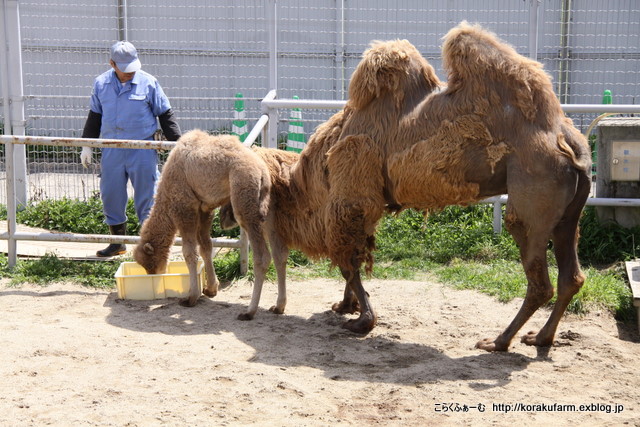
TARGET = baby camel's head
(152,261)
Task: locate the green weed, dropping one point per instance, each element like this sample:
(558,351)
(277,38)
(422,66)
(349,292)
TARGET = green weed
(457,246)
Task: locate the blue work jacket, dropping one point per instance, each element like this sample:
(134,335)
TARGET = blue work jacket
(128,110)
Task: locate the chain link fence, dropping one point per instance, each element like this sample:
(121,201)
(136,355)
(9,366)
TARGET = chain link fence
(204,53)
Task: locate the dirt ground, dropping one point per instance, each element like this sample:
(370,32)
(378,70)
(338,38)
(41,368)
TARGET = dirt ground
(77,356)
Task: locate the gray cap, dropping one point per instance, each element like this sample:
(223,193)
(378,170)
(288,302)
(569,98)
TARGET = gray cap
(125,55)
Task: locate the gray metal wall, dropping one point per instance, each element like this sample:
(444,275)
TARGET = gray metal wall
(204,52)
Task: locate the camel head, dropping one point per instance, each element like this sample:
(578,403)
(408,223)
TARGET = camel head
(390,67)
(148,257)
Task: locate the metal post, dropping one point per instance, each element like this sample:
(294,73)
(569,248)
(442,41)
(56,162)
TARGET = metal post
(123,19)
(563,65)
(497,217)
(340,47)
(16,122)
(4,71)
(14,118)
(272,22)
(534,10)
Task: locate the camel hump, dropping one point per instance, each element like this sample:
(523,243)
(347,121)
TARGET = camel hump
(477,60)
(470,49)
(381,69)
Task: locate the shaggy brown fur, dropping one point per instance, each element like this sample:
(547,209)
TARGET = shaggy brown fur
(202,173)
(296,215)
(409,141)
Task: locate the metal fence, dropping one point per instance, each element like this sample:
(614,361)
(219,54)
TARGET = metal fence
(204,53)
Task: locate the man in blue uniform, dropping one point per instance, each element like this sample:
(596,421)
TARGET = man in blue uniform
(127,103)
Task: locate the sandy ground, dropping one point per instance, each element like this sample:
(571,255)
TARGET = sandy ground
(77,356)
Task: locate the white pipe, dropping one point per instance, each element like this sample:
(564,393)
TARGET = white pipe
(4,72)
(601,108)
(533,29)
(103,238)
(255,131)
(340,47)
(592,201)
(567,108)
(85,142)
(303,103)
(12,256)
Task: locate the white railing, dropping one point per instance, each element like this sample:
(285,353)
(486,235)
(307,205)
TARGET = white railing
(13,235)
(270,106)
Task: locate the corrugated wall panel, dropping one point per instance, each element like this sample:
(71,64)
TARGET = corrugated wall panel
(205,52)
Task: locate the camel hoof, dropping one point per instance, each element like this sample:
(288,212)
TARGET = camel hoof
(276,310)
(245,316)
(345,307)
(189,302)
(362,325)
(210,292)
(490,345)
(534,338)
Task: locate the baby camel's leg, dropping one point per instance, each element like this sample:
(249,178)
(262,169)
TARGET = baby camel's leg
(191,259)
(280,253)
(261,260)
(187,223)
(206,250)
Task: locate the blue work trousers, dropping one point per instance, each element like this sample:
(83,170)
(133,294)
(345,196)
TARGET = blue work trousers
(118,165)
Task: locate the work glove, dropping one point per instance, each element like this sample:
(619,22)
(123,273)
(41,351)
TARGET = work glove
(85,156)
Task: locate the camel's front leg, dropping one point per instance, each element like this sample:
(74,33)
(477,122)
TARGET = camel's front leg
(191,259)
(368,318)
(349,303)
(206,252)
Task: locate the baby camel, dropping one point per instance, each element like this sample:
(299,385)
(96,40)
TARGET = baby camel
(202,173)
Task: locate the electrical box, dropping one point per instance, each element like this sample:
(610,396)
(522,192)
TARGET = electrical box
(625,160)
(618,168)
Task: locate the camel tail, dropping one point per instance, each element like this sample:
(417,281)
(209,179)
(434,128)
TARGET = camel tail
(574,146)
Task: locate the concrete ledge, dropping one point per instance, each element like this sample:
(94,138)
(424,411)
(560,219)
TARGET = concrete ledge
(633,271)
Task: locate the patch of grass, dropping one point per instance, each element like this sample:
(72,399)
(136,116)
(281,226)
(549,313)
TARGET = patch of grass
(603,244)
(455,232)
(457,245)
(502,279)
(50,269)
(227,266)
(505,280)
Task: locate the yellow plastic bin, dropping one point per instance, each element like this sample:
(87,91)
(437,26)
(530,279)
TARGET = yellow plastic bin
(134,283)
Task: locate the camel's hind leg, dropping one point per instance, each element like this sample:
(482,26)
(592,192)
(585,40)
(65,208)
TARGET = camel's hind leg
(261,260)
(532,237)
(206,252)
(280,253)
(247,209)
(570,277)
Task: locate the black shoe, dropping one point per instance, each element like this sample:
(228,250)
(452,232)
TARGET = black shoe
(112,250)
(115,248)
